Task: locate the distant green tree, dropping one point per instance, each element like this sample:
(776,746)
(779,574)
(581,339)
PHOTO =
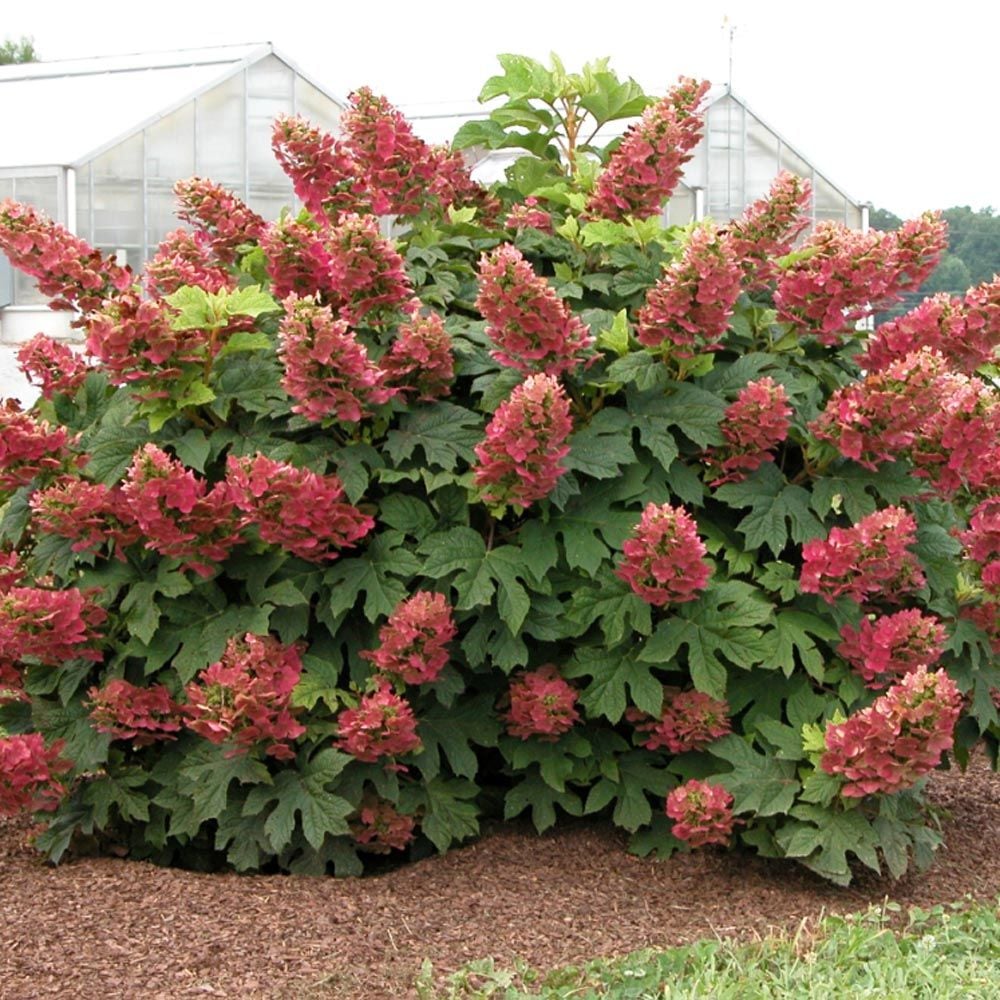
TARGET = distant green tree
(951,275)
(882,218)
(22,51)
(975,238)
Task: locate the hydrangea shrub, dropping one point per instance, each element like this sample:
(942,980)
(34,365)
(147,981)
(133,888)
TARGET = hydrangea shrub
(332,543)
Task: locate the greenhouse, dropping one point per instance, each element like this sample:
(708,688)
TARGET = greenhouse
(98,144)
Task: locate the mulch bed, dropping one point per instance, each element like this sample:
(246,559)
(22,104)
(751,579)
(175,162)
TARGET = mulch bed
(102,928)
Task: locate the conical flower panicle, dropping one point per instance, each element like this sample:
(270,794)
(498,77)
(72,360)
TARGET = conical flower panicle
(643,171)
(687,311)
(220,216)
(533,329)
(890,745)
(525,442)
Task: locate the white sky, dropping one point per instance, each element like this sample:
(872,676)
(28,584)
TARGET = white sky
(883,96)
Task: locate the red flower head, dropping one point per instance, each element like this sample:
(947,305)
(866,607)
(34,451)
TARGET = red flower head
(29,774)
(327,369)
(687,311)
(421,360)
(664,560)
(534,330)
(753,427)
(68,270)
(866,561)
(888,647)
(244,698)
(413,642)
(982,542)
(383,725)
(49,627)
(895,741)
(690,720)
(702,813)
(380,828)
(643,171)
(219,215)
(52,366)
(768,227)
(185,258)
(296,509)
(143,715)
(525,441)
(178,514)
(325,177)
(89,514)
(29,447)
(542,704)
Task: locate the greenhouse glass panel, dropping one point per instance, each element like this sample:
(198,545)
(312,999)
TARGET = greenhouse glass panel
(830,203)
(221,135)
(726,153)
(316,106)
(84,220)
(790,160)
(43,194)
(679,211)
(118,205)
(169,158)
(761,159)
(270,92)
(6,187)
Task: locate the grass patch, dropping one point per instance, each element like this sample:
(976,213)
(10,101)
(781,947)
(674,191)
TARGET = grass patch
(947,952)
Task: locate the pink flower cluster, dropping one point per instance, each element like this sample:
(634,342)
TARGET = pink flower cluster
(395,167)
(323,173)
(218,214)
(986,616)
(966,333)
(664,559)
(29,447)
(895,741)
(52,366)
(702,813)
(888,647)
(527,215)
(982,542)
(142,715)
(847,273)
(29,774)
(753,426)
(643,171)
(49,627)
(244,698)
(533,329)
(380,828)
(690,720)
(327,369)
(767,229)
(379,166)
(413,642)
(366,271)
(70,271)
(868,561)
(687,311)
(542,704)
(947,425)
(295,508)
(420,359)
(89,514)
(133,338)
(383,725)
(185,258)
(350,267)
(178,514)
(11,570)
(525,441)
(296,260)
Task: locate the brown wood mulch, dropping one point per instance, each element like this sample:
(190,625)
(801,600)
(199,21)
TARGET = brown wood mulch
(104,928)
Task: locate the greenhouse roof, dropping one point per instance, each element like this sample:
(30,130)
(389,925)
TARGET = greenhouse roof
(62,113)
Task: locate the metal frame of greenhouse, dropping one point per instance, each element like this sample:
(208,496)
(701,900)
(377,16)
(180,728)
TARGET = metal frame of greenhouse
(98,144)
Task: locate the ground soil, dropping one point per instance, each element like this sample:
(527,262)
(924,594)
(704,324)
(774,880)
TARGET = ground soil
(102,928)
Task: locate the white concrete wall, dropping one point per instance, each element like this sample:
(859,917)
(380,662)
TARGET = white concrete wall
(21,323)
(13,385)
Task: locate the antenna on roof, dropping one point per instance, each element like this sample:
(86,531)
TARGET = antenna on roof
(730,26)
